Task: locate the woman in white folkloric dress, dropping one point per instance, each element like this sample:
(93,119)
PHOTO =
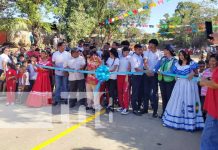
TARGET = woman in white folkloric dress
(183,110)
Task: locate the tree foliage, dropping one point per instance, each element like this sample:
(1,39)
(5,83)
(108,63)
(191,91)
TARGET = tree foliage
(74,18)
(186,20)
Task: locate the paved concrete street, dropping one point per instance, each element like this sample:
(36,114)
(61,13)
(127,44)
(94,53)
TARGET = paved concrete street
(24,128)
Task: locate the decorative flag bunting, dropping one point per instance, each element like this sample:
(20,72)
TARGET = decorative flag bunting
(132,12)
(195,27)
(160,2)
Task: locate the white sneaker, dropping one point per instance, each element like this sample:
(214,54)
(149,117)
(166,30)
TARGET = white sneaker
(125,112)
(7,104)
(12,103)
(120,109)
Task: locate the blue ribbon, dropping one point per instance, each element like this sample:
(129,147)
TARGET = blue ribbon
(103,74)
(179,76)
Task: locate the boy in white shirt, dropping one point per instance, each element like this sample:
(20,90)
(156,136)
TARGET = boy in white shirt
(136,66)
(76,80)
(151,58)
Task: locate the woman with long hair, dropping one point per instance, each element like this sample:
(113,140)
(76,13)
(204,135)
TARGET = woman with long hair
(166,82)
(183,110)
(41,92)
(93,62)
(113,64)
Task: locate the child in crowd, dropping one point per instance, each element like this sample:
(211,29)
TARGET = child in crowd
(113,64)
(202,66)
(11,84)
(25,79)
(123,82)
(207,74)
(24,84)
(32,70)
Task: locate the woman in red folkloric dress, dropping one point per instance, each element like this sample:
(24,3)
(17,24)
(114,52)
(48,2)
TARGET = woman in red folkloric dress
(41,92)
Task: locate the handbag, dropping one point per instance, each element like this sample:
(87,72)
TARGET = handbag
(2,77)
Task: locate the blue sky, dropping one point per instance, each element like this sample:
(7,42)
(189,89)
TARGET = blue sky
(158,12)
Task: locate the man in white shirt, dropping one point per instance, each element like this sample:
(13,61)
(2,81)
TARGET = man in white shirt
(151,58)
(61,81)
(4,59)
(76,80)
(136,66)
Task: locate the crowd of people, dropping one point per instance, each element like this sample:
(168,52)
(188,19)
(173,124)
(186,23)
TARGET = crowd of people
(26,80)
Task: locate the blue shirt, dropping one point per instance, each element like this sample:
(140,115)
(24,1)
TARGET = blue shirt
(163,61)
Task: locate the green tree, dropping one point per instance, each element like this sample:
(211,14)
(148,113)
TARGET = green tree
(186,19)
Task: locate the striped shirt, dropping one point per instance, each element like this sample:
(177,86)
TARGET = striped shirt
(206,74)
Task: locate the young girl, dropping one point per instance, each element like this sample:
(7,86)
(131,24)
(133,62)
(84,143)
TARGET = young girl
(123,82)
(183,110)
(24,85)
(10,84)
(113,64)
(207,74)
(25,79)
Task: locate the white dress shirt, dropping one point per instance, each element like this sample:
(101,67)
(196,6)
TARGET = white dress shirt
(59,58)
(76,64)
(152,58)
(136,62)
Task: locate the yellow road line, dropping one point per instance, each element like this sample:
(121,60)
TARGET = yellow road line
(67,131)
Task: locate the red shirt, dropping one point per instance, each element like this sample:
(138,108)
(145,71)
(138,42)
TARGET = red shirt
(211,100)
(11,73)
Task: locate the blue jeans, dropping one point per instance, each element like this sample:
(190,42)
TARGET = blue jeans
(209,140)
(61,85)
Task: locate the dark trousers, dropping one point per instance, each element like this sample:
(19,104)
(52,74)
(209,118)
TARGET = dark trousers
(31,84)
(166,89)
(74,87)
(136,93)
(150,92)
(112,84)
(1,82)
(202,98)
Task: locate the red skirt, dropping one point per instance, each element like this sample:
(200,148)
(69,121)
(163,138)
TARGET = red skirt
(41,93)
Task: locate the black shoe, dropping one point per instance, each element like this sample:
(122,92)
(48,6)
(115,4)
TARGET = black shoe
(72,105)
(88,108)
(55,103)
(66,102)
(137,113)
(155,115)
(93,111)
(144,112)
(109,109)
(161,116)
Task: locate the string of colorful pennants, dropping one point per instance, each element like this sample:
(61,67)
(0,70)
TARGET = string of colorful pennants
(177,32)
(165,26)
(132,12)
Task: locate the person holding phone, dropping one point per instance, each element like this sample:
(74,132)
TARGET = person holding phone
(209,140)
